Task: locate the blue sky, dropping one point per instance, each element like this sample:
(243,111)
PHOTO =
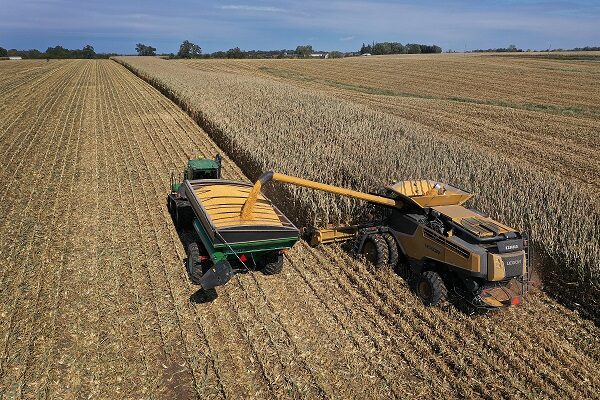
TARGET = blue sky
(117,25)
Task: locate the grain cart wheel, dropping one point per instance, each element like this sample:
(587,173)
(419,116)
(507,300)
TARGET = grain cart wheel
(392,249)
(183,218)
(273,264)
(375,250)
(430,288)
(170,204)
(194,267)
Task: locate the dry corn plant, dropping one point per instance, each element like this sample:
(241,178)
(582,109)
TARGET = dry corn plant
(269,125)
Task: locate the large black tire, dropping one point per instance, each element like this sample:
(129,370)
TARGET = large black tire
(393,255)
(194,266)
(273,264)
(403,269)
(183,214)
(375,250)
(430,288)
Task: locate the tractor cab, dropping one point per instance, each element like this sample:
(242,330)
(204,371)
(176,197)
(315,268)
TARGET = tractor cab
(202,168)
(199,168)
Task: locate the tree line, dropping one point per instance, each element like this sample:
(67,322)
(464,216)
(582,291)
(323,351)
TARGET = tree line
(398,48)
(56,52)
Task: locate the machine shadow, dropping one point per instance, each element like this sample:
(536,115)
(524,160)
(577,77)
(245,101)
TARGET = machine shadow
(202,296)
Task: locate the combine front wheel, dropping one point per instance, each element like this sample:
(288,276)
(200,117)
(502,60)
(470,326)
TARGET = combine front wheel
(392,249)
(376,251)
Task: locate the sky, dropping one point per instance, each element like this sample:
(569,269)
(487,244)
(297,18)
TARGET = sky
(117,25)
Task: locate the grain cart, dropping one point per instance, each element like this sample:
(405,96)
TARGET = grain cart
(207,209)
(433,240)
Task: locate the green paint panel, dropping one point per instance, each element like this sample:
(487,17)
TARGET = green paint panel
(220,252)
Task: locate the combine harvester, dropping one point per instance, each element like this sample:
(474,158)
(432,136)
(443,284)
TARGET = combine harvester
(427,235)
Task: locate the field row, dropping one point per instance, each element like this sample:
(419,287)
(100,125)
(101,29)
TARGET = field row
(95,301)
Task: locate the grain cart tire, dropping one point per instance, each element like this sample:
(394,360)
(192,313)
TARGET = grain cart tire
(393,256)
(376,251)
(194,267)
(183,218)
(430,288)
(273,264)
(170,204)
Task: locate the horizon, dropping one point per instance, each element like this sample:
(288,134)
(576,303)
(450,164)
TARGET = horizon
(115,27)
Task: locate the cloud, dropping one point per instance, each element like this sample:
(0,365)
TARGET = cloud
(243,7)
(347,38)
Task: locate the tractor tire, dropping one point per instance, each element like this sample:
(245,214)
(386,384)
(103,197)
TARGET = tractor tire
(273,264)
(376,251)
(194,267)
(430,288)
(393,256)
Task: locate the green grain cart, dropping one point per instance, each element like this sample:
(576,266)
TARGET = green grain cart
(209,209)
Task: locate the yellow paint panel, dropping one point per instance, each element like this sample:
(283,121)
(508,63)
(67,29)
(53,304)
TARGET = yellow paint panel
(426,194)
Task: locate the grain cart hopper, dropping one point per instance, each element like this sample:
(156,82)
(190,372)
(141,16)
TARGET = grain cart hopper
(207,209)
(432,240)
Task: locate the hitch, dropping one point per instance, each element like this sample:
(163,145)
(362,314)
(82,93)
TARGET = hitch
(219,274)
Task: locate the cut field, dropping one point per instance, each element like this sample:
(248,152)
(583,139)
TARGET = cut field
(95,301)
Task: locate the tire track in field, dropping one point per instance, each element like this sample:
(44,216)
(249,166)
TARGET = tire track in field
(140,255)
(449,325)
(131,374)
(215,322)
(217,383)
(27,310)
(32,237)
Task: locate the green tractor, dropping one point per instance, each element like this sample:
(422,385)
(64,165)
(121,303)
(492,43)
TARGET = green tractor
(196,168)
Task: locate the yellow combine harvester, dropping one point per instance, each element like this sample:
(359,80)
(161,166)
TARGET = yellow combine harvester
(435,242)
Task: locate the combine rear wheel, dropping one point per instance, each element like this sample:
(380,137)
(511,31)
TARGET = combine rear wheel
(430,288)
(376,251)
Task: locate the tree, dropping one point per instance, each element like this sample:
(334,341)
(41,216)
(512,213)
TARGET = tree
(413,48)
(235,53)
(304,51)
(57,52)
(512,47)
(88,51)
(144,50)
(366,49)
(189,50)
(336,54)
(3,52)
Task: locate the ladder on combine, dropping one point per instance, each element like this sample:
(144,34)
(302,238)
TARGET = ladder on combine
(529,261)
